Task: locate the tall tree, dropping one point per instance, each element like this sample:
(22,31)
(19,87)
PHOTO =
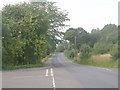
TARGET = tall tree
(29,31)
(78,36)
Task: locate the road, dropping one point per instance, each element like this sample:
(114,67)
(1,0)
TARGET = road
(58,72)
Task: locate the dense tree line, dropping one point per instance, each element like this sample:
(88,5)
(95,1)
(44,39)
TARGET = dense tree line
(97,42)
(29,32)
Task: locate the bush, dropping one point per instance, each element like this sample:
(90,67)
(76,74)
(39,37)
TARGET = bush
(101,48)
(114,51)
(71,53)
(85,51)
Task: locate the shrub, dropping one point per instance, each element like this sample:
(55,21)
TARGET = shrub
(85,51)
(71,53)
(101,48)
(114,51)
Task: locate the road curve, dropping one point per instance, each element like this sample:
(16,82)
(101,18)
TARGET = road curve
(59,72)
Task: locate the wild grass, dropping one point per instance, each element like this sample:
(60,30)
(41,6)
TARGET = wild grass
(100,63)
(97,60)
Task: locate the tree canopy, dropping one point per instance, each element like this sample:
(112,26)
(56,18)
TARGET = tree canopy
(29,31)
(100,41)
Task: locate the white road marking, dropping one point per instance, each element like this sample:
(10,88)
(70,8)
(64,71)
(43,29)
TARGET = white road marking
(53,79)
(51,72)
(46,72)
(53,82)
(104,69)
(108,70)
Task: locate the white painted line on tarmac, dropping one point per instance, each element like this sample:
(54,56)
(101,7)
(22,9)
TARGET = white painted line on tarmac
(108,70)
(46,72)
(53,82)
(53,79)
(51,72)
(104,69)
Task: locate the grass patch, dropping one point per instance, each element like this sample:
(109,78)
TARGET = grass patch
(97,61)
(23,66)
(100,63)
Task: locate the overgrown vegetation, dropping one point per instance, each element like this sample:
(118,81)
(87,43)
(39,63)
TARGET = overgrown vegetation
(85,51)
(29,32)
(28,65)
(99,63)
(104,41)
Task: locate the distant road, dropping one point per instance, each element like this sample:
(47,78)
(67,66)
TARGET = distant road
(58,72)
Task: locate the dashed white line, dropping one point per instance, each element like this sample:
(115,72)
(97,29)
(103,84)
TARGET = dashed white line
(53,82)
(22,77)
(46,72)
(53,79)
(51,72)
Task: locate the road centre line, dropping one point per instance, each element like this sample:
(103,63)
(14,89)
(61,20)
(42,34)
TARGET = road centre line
(53,79)
(53,82)
(46,72)
(51,71)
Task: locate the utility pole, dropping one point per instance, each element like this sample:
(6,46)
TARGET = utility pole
(75,42)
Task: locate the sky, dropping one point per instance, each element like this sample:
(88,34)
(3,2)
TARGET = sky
(88,14)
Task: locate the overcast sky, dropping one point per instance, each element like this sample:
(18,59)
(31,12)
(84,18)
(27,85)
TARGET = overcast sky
(88,14)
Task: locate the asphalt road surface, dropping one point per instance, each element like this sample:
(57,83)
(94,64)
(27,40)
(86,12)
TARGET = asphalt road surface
(58,72)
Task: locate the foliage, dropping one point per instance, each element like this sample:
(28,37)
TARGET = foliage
(29,32)
(61,47)
(77,36)
(101,48)
(85,51)
(99,63)
(114,51)
(95,36)
(70,53)
(99,41)
(109,37)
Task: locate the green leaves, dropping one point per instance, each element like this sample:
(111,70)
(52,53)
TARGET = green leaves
(97,42)
(85,51)
(30,31)
(81,35)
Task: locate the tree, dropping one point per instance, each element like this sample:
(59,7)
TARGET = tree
(79,34)
(114,51)
(101,47)
(32,29)
(108,38)
(85,51)
(101,41)
(95,36)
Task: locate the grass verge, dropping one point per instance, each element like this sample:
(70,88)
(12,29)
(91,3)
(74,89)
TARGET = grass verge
(99,63)
(108,63)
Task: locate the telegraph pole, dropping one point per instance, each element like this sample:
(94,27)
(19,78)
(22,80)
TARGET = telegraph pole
(75,42)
